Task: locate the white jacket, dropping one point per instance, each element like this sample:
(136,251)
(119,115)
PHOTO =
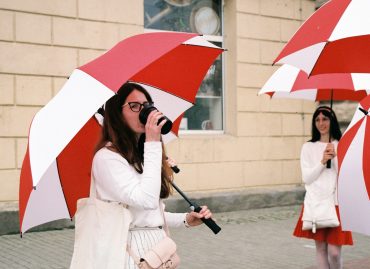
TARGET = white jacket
(319,180)
(117,180)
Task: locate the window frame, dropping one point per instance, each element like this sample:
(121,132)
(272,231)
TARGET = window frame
(211,38)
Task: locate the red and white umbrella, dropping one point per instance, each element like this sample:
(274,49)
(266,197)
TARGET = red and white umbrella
(290,82)
(63,134)
(354,172)
(335,39)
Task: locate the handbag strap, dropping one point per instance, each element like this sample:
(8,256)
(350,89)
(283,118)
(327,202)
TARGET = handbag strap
(128,248)
(92,187)
(133,255)
(164,220)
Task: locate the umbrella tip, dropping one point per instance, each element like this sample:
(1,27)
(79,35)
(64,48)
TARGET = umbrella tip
(363,111)
(21,234)
(34,187)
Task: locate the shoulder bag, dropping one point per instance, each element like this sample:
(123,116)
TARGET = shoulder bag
(319,213)
(101,230)
(162,256)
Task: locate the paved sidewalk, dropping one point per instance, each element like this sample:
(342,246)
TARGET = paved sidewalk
(259,239)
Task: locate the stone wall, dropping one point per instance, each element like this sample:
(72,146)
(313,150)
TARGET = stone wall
(41,42)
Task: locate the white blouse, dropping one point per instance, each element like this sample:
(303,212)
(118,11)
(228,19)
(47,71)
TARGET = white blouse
(319,180)
(117,180)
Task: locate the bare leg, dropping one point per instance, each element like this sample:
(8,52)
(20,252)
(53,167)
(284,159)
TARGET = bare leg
(334,254)
(322,255)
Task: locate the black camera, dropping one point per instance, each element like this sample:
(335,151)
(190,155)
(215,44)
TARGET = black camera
(144,113)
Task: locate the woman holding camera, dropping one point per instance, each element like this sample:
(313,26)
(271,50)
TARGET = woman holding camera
(320,180)
(130,166)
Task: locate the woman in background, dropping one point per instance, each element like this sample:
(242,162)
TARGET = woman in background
(319,179)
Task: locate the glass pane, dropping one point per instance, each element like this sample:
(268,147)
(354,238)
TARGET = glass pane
(198,16)
(206,114)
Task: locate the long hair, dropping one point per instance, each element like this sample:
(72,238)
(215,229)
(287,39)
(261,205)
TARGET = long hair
(334,125)
(124,140)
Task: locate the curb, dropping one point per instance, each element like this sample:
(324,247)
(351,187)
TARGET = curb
(251,198)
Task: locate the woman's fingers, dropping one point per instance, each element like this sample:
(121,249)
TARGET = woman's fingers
(152,128)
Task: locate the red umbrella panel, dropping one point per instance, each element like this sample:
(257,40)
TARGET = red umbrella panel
(290,82)
(354,172)
(63,134)
(335,39)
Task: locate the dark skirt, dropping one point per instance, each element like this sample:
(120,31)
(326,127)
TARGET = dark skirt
(333,236)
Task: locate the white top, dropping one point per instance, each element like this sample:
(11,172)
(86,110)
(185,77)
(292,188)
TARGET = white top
(116,180)
(319,180)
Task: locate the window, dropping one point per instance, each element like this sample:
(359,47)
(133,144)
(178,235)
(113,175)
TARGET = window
(203,17)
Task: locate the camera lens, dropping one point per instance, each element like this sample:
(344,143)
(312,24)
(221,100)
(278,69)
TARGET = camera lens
(143,117)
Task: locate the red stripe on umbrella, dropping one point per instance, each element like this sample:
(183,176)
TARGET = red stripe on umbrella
(25,185)
(348,55)
(346,140)
(111,68)
(316,28)
(75,175)
(331,81)
(340,95)
(185,83)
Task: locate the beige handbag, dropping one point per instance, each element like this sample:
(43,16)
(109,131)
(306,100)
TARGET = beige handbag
(162,256)
(319,213)
(101,230)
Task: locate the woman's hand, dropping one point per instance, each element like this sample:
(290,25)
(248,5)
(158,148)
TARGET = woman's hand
(171,162)
(152,128)
(329,153)
(194,218)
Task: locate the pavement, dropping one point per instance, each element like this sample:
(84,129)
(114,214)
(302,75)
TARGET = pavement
(254,238)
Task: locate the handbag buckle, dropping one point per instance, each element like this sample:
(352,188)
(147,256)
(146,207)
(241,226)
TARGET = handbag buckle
(168,264)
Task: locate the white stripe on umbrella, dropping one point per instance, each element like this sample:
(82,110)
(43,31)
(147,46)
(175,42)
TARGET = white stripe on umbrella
(355,21)
(50,132)
(200,41)
(304,59)
(283,79)
(361,80)
(48,199)
(169,105)
(309,94)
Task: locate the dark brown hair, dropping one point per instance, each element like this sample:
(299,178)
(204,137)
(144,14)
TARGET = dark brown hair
(124,140)
(334,125)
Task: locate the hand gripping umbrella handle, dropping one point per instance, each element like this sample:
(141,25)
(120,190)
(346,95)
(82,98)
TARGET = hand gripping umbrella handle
(209,222)
(328,164)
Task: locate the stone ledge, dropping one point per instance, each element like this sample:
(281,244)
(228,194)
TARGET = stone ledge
(251,198)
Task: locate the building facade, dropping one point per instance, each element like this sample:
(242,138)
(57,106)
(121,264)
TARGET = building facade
(257,140)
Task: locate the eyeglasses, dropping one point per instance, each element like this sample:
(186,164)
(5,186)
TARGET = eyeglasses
(136,106)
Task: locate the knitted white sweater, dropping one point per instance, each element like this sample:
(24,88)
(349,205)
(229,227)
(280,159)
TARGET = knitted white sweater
(319,180)
(117,180)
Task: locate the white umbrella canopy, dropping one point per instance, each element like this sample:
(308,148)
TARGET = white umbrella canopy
(56,169)
(354,172)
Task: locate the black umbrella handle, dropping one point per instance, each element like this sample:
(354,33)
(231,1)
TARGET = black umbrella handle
(175,169)
(209,222)
(328,164)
